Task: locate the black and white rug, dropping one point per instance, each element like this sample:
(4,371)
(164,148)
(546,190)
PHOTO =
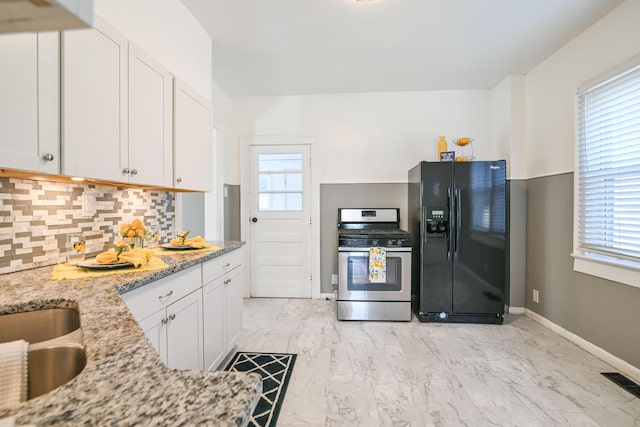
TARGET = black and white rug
(275,369)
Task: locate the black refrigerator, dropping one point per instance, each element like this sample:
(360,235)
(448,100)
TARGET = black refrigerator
(458,222)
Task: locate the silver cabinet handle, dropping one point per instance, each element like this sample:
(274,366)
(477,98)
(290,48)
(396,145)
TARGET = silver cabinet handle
(172,316)
(161,297)
(126,171)
(226,265)
(48,157)
(164,321)
(134,172)
(179,180)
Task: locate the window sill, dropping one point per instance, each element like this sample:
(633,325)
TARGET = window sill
(625,273)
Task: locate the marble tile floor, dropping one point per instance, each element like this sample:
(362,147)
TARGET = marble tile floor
(417,374)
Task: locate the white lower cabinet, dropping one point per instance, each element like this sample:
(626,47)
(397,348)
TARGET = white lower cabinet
(169,312)
(233,305)
(213,299)
(222,301)
(192,326)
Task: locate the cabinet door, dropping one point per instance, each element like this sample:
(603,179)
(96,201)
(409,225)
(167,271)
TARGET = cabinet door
(233,301)
(192,139)
(150,153)
(213,299)
(29,106)
(184,333)
(154,327)
(94,103)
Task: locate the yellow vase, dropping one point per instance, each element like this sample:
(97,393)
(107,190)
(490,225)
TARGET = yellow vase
(442,146)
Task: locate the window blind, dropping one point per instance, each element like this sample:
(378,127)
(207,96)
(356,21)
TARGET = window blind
(608,167)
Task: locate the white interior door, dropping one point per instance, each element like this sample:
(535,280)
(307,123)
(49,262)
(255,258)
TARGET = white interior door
(280,221)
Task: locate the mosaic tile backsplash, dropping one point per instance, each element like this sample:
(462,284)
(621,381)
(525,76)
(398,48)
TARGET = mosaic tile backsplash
(37,216)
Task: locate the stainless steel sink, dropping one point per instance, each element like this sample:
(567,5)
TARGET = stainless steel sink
(49,368)
(39,325)
(56,351)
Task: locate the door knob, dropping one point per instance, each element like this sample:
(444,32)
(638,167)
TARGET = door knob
(48,157)
(254,219)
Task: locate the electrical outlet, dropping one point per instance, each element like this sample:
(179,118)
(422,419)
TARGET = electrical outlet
(88,205)
(536,296)
(334,279)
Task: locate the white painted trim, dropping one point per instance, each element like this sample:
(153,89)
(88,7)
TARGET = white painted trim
(619,364)
(548,174)
(624,274)
(515,310)
(245,178)
(330,296)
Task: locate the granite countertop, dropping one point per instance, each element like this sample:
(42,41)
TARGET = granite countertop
(125,382)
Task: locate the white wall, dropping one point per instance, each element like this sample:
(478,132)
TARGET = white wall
(551,87)
(166,30)
(367,137)
(508,124)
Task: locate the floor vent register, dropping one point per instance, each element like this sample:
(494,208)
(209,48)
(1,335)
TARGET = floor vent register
(624,382)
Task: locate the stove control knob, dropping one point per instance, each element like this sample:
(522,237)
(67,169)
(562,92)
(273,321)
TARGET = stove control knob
(375,243)
(391,242)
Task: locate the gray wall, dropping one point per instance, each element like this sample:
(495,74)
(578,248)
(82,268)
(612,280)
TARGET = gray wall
(600,311)
(192,213)
(517,243)
(231,212)
(334,196)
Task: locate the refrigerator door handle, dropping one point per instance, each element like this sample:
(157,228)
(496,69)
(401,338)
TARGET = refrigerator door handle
(458,202)
(450,230)
(423,225)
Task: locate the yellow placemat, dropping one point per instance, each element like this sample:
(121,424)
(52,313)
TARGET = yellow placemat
(162,251)
(69,272)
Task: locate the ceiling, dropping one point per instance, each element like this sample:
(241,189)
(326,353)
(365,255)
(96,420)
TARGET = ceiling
(285,47)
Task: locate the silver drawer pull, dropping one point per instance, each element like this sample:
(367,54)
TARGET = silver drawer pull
(48,157)
(165,296)
(226,265)
(164,321)
(172,316)
(134,172)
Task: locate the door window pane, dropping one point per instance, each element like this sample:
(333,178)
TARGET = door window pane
(280,182)
(280,162)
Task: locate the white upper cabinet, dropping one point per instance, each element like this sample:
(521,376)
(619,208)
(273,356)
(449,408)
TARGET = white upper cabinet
(150,154)
(192,139)
(117,110)
(94,103)
(29,105)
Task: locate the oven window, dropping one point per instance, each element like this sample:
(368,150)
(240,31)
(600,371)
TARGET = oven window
(358,274)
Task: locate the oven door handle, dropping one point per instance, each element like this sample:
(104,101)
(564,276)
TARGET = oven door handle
(366,250)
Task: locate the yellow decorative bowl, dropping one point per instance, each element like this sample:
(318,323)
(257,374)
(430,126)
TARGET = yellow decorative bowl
(462,141)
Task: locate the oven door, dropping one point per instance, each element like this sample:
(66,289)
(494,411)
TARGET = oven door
(353,276)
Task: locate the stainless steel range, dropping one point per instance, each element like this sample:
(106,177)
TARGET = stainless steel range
(374,265)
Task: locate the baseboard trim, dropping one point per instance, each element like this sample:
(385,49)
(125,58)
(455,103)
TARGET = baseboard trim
(619,364)
(515,310)
(331,296)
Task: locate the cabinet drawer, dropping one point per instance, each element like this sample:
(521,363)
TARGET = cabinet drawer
(148,299)
(216,267)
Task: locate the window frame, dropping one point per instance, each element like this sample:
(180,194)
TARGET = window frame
(605,267)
